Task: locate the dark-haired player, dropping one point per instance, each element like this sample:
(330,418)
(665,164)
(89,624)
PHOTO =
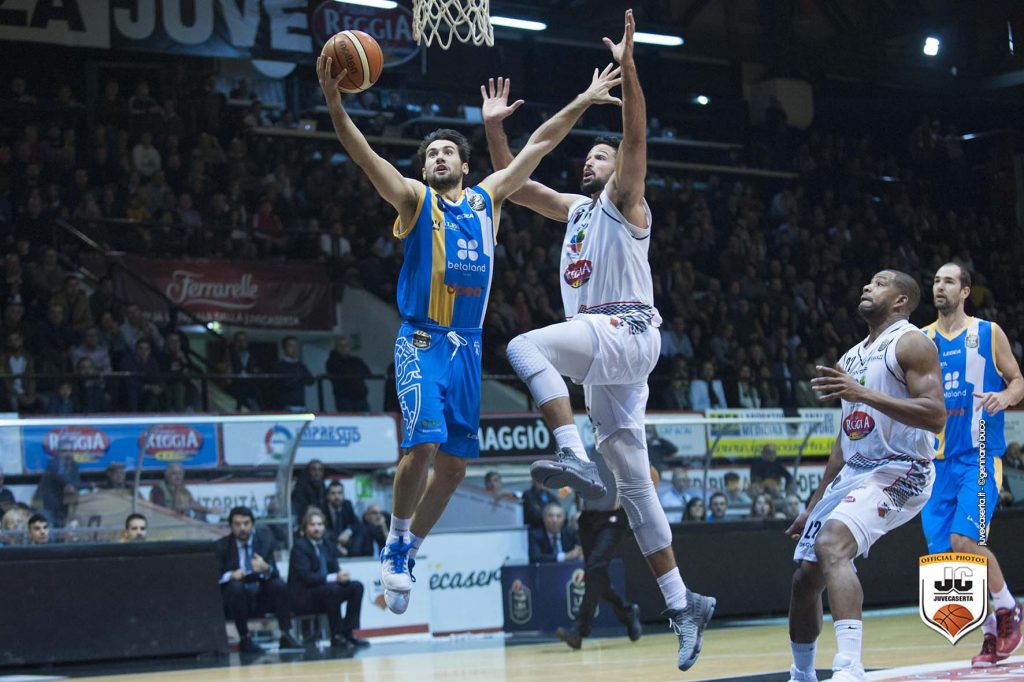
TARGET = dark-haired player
(879,475)
(609,341)
(449,234)
(981,379)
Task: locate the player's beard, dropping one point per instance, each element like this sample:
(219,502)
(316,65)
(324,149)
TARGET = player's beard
(592,186)
(947,306)
(452,180)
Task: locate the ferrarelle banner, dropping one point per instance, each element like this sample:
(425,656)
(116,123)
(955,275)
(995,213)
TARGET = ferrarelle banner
(282,30)
(248,294)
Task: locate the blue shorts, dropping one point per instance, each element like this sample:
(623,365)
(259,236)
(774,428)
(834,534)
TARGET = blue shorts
(955,504)
(437,376)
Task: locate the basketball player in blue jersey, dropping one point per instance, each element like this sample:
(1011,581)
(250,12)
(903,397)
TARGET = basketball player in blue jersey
(449,233)
(981,379)
(609,342)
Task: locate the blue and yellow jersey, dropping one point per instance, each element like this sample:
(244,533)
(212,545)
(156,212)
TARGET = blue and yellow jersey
(968,360)
(449,259)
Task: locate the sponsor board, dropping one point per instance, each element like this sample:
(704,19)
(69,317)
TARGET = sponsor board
(808,478)
(515,436)
(95,447)
(746,440)
(332,439)
(374,617)
(953,597)
(544,596)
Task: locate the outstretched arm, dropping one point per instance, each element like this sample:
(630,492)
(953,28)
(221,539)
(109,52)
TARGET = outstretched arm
(394,188)
(626,188)
(995,402)
(505,182)
(533,195)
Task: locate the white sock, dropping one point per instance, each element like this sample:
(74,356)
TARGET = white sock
(988,626)
(803,656)
(399,529)
(1003,599)
(849,634)
(415,541)
(568,437)
(673,589)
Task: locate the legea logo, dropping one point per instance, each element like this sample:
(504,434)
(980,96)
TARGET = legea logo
(951,380)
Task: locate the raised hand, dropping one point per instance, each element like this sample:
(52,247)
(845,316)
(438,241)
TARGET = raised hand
(622,51)
(834,383)
(496,106)
(601,83)
(330,86)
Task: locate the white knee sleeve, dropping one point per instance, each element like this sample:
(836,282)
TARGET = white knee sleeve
(626,456)
(533,367)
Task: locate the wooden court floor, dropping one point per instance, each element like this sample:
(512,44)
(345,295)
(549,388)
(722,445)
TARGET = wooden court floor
(729,652)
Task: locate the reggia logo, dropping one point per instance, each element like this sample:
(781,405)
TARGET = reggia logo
(858,424)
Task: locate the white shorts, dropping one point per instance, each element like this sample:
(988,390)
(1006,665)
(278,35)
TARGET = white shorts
(871,498)
(616,385)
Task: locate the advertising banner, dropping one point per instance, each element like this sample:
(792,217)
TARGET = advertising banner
(280,30)
(94,447)
(375,619)
(547,596)
(515,436)
(247,294)
(746,440)
(332,439)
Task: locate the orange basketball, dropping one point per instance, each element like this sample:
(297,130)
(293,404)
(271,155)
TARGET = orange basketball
(360,54)
(953,617)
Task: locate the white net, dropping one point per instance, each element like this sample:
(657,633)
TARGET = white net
(443,20)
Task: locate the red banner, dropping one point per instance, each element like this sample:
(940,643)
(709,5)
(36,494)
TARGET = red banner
(247,294)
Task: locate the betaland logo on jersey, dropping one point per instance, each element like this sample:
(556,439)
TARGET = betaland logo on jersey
(858,424)
(577,274)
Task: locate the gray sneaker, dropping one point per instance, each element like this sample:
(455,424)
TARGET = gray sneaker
(689,624)
(569,470)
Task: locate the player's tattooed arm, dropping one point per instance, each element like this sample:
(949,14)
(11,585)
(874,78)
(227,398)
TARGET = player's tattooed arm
(995,402)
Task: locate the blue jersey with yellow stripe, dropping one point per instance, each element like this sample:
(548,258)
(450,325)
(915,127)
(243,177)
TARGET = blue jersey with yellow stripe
(968,360)
(449,258)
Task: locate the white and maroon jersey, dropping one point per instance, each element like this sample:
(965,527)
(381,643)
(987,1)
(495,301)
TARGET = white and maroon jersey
(871,438)
(604,267)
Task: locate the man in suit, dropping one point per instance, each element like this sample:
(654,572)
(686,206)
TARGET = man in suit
(249,581)
(318,585)
(535,500)
(340,518)
(370,534)
(310,491)
(554,542)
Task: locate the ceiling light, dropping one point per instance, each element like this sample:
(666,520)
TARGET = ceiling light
(931,46)
(509,22)
(657,39)
(379,4)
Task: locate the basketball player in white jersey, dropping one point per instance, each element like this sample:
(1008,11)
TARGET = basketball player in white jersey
(610,341)
(880,473)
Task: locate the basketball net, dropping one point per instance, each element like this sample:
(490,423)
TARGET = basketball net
(441,20)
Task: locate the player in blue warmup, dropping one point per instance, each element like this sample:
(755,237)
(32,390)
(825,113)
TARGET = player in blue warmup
(449,233)
(980,379)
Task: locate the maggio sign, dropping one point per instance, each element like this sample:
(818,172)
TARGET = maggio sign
(249,294)
(282,30)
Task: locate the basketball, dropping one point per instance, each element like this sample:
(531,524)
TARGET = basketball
(360,54)
(953,617)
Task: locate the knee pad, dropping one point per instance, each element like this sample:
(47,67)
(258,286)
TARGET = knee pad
(533,367)
(626,456)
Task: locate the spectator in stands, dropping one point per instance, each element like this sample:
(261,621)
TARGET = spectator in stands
(249,582)
(20,391)
(90,394)
(268,230)
(14,319)
(695,510)
(535,500)
(734,493)
(554,542)
(296,376)
(707,392)
(75,303)
(493,486)
(172,494)
(1012,457)
(115,477)
(348,378)
(244,391)
(93,350)
(146,159)
(339,516)
(181,391)
(38,530)
(658,448)
(675,499)
(792,507)
(675,341)
(144,390)
(6,496)
(53,340)
(14,523)
(719,506)
(135,528)
(57,492)
(677,392)
(318,584)
(762,508)
(63,400)
(137,327)
(744,390)
(102,298)
(47,277)
(310,491)
(370,534)
(769,473)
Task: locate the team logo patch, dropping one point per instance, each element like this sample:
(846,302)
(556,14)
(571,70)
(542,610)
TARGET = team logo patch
(971,340)
(574,591)
(476,202)
(954,593)
(420,339)
(577,274)
(858,424)
(882,346)
(520,603)
(437,225)
(576,242)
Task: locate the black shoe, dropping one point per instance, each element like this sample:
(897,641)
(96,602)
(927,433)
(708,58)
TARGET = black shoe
(571,637)
(355,641)
(247,646)
(569,470)
(631,619)
(289,642)
(342,646)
